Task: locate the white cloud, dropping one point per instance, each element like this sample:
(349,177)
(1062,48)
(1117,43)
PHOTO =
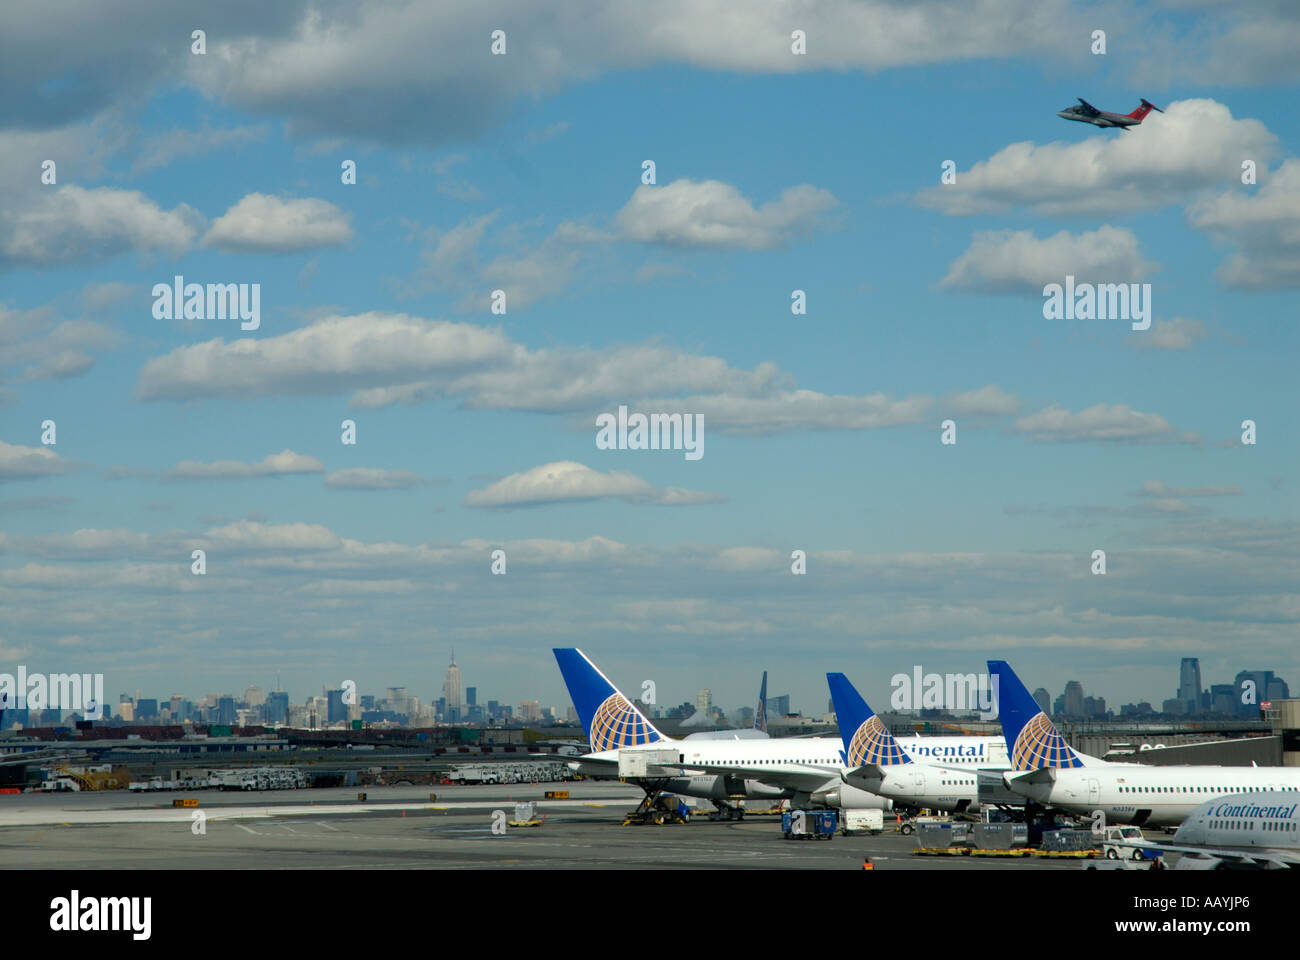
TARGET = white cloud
(367,478)
(51,350)
(987,401)
(161,150)
(709,213)
(1194,145)
(67,225)
(333,355)
(1264,223)
(567,481)
(379,71)
(1177,334)
(1002,261)
(1102,422)
(284,463)
(25,463)
(263,224)
(254,536)
(387,359)
(801,410)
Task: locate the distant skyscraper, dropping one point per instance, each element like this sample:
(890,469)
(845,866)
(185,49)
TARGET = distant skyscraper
(1267,687)
(1074,699)
(778,706)
(254,696)
(277,707)
(704,701)
(1189,684)
(1044,700)
(337,709)
(471,696)
(451,686)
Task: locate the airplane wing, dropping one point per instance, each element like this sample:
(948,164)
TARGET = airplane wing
(809,779)
(1088,108)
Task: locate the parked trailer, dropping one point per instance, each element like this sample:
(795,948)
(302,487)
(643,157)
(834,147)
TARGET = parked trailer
(809,824)
(863,821)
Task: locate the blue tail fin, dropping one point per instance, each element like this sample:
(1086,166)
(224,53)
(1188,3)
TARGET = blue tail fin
(610,719)
(760,715)
(1032,742)
(866,739)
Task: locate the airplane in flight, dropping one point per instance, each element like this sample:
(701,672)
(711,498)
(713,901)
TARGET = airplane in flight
(875,761)
(1046,770)
(1085,112)
(724,767)
(1244,830)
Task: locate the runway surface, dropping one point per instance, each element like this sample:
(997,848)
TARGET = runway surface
(398,828)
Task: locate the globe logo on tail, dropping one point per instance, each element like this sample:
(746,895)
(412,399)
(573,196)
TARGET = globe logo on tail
(872,743)
(1038,745)
(618,724)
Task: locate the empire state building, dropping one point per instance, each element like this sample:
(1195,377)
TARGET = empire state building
(451,689)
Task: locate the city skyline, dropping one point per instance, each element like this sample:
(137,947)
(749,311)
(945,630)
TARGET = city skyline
(1222,699)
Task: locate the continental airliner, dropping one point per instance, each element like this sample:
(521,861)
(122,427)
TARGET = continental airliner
(804,770)
(1244,830)
(875,761)
(1046,770)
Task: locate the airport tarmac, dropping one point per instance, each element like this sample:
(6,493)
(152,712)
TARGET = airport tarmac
(398,828)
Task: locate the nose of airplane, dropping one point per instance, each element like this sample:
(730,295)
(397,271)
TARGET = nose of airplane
(1064,114)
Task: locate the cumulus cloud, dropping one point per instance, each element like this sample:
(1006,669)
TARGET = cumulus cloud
(26,463)
(386,359)
(1264,225)
(1193,146)
(333,355)
(987,401)
(46,349)
(1105,423)
(377,71)
(263,224)
(75,225)
(709,213)
(568,481)
(275,465)
(1002,261)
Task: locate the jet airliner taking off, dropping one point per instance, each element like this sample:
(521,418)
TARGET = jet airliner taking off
(945,779)
(1046,770)
(1085,112)
(806,771)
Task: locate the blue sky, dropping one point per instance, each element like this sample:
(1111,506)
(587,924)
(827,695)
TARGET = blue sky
(773,173)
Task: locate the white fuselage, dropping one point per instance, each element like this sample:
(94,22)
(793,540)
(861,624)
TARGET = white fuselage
(790,766)
(954,785)
(1252,823)
(1152,795)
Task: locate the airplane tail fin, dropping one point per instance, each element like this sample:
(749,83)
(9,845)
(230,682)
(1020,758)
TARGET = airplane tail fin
(1032,741)
(610,719)
(760,715)
(1141,112)
(865,736)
